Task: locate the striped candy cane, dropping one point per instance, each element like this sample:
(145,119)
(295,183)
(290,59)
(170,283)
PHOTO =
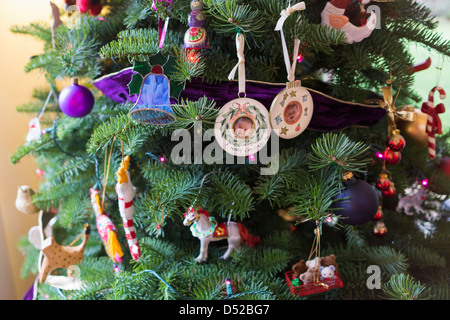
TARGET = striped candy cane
(434,125)
(126,192)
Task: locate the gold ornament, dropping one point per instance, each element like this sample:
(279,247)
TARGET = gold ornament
(416,129)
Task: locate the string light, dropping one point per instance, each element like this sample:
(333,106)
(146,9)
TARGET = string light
(229,286)
(251,157)
(379,155)
(300,58)
(162,159)
(425,182)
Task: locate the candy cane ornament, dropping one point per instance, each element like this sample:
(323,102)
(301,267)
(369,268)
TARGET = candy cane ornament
(126,193)
(434,124)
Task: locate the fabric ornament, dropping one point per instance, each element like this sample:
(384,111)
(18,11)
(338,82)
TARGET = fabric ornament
(106,229)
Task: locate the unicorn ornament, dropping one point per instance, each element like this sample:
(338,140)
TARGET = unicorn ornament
(207,229)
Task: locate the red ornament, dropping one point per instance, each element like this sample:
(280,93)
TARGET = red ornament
(383,182)
(392,157)
(390,192)
(444,165)
(379,230)
(396,142)
(379,215)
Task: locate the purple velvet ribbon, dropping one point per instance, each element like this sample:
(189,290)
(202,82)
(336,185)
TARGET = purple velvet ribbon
(329,113)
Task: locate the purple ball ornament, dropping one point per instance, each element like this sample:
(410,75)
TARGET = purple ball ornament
(358,203)
(76,101)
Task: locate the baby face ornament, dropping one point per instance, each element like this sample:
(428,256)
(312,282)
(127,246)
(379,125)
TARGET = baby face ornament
(291,111)
(242,127)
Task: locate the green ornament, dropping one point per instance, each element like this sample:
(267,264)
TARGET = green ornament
(158,63)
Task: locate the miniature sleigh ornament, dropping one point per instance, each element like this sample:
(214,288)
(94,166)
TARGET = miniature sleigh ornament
(126,193)
(207,229)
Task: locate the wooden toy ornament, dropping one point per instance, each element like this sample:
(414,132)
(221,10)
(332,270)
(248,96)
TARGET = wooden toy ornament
(242,127)
(58,256)
(292,108)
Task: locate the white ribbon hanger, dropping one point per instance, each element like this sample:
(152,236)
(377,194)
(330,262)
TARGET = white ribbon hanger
(290,68)
(240,43)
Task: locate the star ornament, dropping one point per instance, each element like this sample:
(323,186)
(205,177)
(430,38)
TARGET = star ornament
(284,130)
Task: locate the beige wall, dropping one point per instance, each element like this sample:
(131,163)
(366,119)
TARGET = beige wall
(15,88)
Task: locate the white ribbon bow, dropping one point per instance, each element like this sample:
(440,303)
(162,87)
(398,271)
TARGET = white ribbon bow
(240,43)
(290,68)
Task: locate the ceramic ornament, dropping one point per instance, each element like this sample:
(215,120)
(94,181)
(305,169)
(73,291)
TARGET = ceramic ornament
(207,229)
(333,16)
(242,127)
(292,108)
(24,200)
(196,37)
(34,130)
(411,204)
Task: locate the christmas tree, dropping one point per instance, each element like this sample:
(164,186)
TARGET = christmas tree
(288,131)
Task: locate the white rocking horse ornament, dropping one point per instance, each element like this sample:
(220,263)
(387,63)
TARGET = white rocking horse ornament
(207,229)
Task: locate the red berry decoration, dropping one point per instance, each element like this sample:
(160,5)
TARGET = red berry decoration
(396,142)
(83,5)
(96,7)
(379,215)
(392,157)
(383,182)
(76,101)
(390,192)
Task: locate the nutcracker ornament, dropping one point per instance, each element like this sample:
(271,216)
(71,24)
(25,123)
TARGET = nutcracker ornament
(126,193)
(196,37)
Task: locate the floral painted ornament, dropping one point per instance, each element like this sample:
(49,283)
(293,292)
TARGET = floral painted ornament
(242,127)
